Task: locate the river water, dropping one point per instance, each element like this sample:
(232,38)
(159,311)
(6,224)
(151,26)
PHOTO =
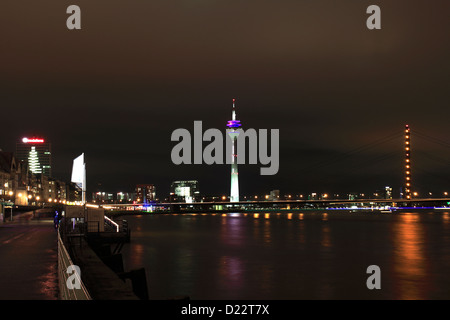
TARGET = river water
(292,256)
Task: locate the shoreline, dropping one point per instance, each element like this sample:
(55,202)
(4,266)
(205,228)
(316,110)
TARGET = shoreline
(117,213)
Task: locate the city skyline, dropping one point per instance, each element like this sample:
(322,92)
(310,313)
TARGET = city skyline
(123,175)
(327,83)
(376,192)
(320,189)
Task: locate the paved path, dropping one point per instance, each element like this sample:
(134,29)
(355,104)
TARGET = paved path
(28,259)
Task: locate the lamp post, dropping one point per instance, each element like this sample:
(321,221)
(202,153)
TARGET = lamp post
(11,199)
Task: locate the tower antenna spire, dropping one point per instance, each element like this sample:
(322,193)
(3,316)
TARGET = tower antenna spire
(233,113)
(233,131)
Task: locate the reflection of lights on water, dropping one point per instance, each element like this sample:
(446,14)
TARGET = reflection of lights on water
(410,258)
(231,271)
(289,216)
(234,214)
(256,215)
(267,215)
(325,216)
(300,216)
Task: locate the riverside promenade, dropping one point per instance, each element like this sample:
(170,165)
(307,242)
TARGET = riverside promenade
(28,258)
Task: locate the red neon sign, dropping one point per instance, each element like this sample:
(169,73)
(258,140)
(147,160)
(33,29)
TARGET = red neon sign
(32,140)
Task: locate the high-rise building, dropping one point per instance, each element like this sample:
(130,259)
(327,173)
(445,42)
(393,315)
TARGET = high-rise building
(387,192)
(233,131)
(145,193)
(37,153)
(185,191)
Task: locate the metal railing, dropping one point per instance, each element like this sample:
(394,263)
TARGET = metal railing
(64,261)
(112,223)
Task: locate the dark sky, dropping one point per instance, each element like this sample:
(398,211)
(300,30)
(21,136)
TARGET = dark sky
(138,70)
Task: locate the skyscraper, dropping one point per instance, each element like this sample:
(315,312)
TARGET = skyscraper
(145,193)
(233,131)
(37,153)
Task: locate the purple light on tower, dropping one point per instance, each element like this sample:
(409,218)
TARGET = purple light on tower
(233,123)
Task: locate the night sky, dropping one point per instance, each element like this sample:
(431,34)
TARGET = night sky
(138,70)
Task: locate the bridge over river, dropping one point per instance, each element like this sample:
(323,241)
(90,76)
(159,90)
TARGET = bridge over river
(385,205)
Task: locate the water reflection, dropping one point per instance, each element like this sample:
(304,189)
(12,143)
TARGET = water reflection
(232,231)
(311,255)
(409,258)
(326,237)
(302,237)
(137,253)
(267,234)
(231,273)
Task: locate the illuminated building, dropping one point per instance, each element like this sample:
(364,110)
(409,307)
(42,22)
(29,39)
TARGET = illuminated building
(13,179)
(145,193)
(103,197)
(79,175)
(36,152)
(73,192)
(233,131)
(407,188)
(124,197)
(274,195)
(185,191)
(387,192)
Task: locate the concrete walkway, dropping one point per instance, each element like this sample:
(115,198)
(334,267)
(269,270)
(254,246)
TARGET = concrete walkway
(28,259)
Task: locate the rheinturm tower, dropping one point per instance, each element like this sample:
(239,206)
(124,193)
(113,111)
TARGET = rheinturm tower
(233,131)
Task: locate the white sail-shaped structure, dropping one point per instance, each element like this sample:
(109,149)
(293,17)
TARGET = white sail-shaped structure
(79,174)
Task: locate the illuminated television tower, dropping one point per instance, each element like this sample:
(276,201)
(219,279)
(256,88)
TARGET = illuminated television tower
(407,162)
(233,131)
